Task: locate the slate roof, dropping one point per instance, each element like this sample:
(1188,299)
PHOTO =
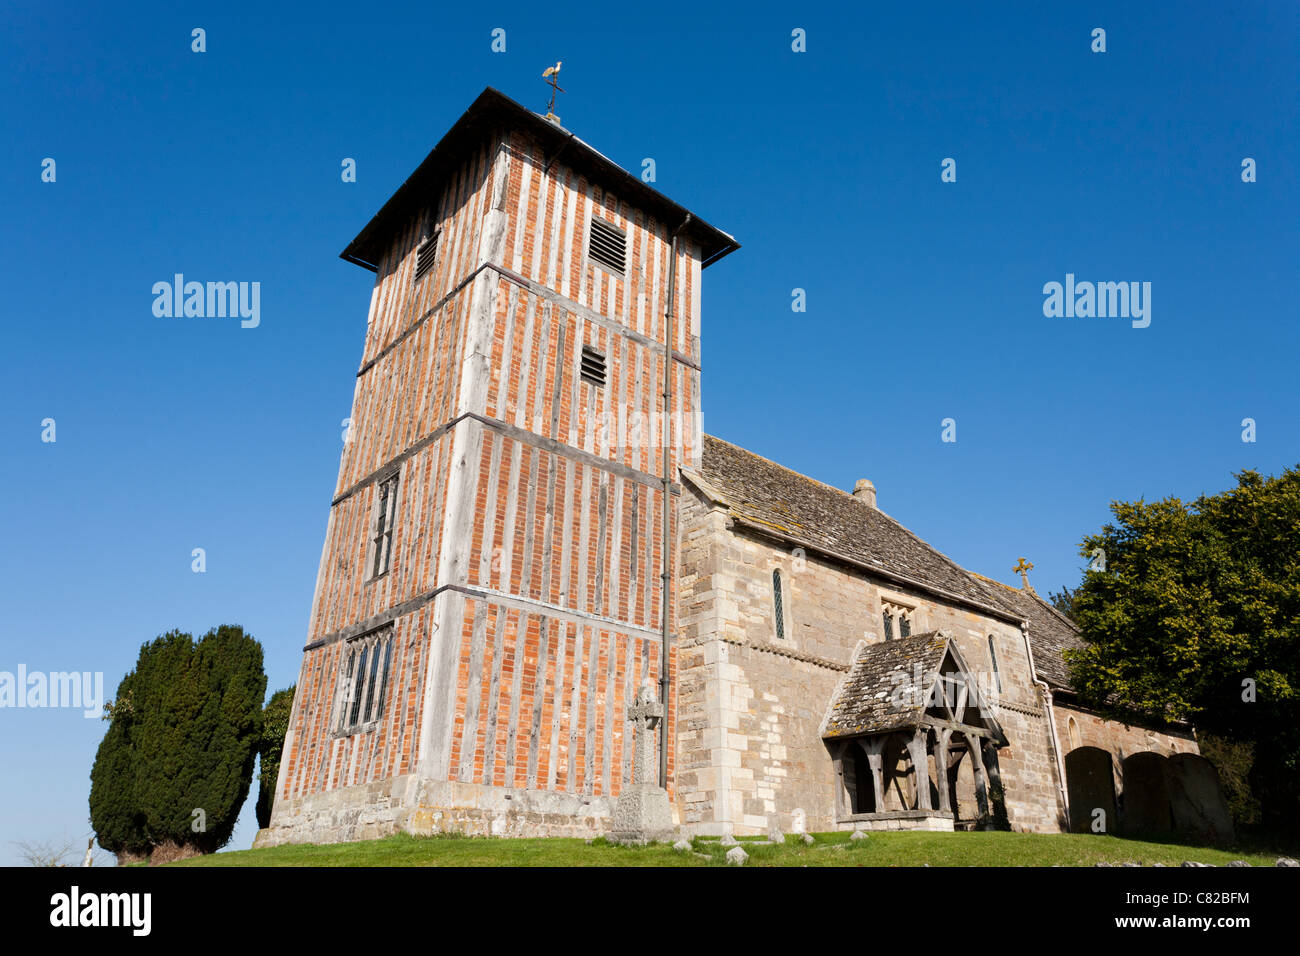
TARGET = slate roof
(1050,632)
(873,700)
(792,505)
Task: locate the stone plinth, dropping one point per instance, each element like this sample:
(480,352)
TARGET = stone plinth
(936,820)
(642,815)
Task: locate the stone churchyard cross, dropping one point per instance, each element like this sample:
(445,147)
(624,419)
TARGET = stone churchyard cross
(642,813)
(645,714)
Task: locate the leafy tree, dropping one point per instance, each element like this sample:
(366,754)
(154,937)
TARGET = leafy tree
(1233,760)
(1197,617)
(275,724)
(180,749)
(1063,601)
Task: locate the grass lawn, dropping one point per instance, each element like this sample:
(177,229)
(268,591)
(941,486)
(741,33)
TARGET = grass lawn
(829,849)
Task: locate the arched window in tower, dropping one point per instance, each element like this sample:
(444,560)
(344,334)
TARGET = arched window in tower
(1074,734)
(778,604)
(993,659)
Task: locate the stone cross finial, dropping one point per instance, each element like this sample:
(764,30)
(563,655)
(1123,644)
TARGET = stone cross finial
(645,714)
(1023,568)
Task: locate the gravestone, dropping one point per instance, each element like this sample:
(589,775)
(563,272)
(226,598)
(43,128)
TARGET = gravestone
(1195,800)
(1146,794)
(642,813)
(1090,782)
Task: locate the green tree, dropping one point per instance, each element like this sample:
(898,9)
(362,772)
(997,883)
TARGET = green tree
(1197,617)
(1233,759)
(114,812)
(190,722)
(275,724)
(1063,601)
(231,668)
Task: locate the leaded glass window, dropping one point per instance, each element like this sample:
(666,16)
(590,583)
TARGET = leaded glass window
(778,604)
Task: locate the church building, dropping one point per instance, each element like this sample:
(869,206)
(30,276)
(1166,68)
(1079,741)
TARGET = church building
(529,530)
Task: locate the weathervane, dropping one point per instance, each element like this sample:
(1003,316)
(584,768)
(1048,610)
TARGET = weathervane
(552,76)
(1023,568)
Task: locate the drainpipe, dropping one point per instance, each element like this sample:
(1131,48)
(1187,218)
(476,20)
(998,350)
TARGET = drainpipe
(1051,722)
(665,546)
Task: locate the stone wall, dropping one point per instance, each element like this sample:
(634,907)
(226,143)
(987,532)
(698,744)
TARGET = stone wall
(408,804)
(750,753)
(1093,746)
(1120,739)
(1076,727)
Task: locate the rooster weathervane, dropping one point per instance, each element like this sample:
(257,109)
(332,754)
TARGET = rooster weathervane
(552,76)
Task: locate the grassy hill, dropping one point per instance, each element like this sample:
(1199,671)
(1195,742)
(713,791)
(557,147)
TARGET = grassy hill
(828,849)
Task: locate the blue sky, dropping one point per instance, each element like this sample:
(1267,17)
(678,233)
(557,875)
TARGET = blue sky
(924,299)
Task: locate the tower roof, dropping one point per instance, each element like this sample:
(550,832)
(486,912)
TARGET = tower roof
(493,109)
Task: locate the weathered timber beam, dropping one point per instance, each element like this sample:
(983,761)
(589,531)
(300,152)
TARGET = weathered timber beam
(518,434)
(958,727)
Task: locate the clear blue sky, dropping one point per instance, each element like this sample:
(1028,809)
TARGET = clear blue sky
(924,298)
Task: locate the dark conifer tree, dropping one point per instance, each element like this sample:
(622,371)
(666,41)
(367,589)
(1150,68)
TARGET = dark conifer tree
(275,724)
(180,764)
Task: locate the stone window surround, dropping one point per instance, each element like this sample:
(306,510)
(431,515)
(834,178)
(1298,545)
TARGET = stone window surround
(786,613)
(901,606)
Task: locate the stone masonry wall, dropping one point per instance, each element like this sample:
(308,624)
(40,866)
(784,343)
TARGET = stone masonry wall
(1119,739)
(750,753)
